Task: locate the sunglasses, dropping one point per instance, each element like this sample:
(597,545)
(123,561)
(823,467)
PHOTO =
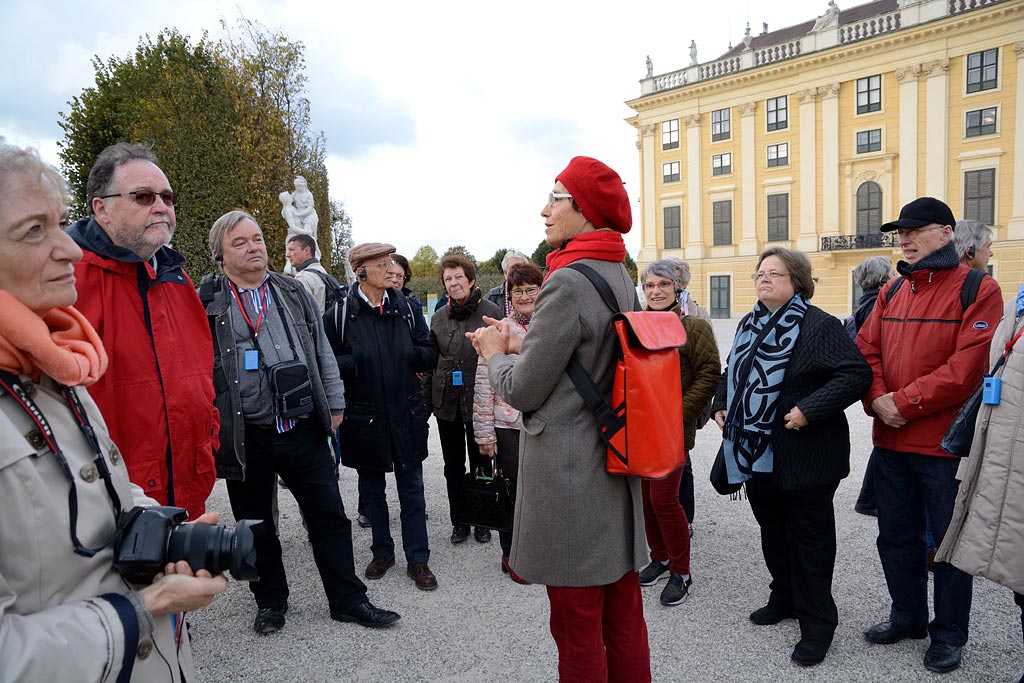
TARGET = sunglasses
(147,197)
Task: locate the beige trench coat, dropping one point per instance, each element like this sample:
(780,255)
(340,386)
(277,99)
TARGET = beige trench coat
(53,625)
(575,525)
(986,535)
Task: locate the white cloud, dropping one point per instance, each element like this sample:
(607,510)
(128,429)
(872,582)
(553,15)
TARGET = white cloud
(446,122)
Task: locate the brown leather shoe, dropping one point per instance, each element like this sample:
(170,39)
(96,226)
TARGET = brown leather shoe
(379,566)
(421,574)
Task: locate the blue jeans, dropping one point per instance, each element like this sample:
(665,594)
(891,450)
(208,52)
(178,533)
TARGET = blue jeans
(907,484)
(413,512)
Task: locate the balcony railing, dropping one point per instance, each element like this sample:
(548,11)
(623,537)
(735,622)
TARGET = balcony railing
(873,241)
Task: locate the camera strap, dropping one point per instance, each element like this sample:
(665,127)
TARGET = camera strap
(13,386)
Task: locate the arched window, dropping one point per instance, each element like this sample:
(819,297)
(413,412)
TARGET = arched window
(869,208)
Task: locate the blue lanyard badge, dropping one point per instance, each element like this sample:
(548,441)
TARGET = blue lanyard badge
(456,378)
(252,359)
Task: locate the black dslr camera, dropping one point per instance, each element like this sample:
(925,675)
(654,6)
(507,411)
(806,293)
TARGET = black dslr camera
(150,537)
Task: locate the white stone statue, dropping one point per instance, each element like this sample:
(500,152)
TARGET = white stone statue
(693,53)
(650,67)
(829,19)
(298,211)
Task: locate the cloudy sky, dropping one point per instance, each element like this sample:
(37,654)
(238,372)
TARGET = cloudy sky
(446,122)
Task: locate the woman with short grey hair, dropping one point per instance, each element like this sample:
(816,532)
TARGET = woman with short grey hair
(873,273)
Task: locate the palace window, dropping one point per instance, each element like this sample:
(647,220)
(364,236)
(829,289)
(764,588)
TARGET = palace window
(721,163)
(982,70)
(777,110)
(778,155)
(721,125)
(670,134)
(869,94)
(672,227)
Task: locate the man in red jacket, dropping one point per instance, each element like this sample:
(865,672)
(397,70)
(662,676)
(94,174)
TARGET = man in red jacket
(927,353)
(157,395)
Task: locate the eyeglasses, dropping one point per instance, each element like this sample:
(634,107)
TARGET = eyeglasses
(555,196)
(911,233)
(771,275)
(664,284)
(520,293)
(147,197)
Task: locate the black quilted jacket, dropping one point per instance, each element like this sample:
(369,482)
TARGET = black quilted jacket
(826,374)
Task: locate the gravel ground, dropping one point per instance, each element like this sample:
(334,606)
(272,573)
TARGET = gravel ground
(479,626)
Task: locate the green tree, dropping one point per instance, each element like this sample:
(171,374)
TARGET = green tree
(227,121)
(540,254)
(424,263)
(459,249)
(340,242)
(493,265)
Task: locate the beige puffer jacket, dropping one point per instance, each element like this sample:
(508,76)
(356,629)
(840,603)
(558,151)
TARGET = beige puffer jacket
(986,535)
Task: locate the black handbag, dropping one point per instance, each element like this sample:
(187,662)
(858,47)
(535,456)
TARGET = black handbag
(488,502)
(720,477)
(958,438)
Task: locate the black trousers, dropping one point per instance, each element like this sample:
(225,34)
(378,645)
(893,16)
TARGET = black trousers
(456,441)
(303,459)
(798,539)
(507,461)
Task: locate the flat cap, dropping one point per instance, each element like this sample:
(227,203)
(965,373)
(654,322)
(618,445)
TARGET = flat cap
(361,253)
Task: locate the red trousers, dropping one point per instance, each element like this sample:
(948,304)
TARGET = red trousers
(668,532)
(600,632)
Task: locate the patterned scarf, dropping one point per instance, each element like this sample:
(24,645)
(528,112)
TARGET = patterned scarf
(684,302)
(757,367)
(1019,302)
(62,344)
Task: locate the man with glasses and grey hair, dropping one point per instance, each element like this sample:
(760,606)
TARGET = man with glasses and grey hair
(973,243)
(157,395)
(499,295)
(927,351)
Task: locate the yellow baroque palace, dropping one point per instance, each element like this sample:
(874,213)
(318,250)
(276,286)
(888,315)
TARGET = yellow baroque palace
(812,136)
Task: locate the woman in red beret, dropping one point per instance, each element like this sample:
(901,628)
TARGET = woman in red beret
(578,530)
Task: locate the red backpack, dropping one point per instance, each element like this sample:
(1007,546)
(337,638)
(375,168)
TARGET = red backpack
(643,425)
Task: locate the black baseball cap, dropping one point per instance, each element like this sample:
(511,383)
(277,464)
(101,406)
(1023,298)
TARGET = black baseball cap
(921,212)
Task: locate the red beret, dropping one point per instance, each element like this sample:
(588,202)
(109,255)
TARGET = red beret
(599,192)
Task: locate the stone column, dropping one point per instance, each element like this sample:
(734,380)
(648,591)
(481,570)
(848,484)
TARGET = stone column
(936,131)
(808,182)
(748,190)
(648,200)
(694,222)
(1015,226)
(908,80)
(829,160)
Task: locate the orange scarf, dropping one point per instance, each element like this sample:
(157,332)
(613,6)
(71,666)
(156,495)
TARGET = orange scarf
(62,344)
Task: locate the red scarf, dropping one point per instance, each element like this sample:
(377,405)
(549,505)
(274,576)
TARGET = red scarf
(603,245)
(61,344)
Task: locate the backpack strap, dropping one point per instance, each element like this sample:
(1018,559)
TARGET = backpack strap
(969,292)
(208,288)
(340,328)
(893,289)
(610,422)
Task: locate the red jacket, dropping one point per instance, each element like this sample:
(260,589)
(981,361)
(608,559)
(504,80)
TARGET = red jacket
(158,388)
(929,352)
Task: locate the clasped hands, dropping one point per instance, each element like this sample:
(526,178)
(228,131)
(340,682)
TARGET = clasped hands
(497,337)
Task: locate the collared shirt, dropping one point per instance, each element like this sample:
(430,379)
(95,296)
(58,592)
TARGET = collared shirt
(270,340)
(377,307)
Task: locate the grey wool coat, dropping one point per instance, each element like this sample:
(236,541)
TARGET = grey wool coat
(986,535)
(575,525)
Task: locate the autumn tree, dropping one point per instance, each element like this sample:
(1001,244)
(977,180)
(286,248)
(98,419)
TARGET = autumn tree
(227,120)
(493,264)
(424,263)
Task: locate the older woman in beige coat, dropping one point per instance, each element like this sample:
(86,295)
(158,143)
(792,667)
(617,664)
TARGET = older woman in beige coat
(986,534)
(64,614)
(577,529)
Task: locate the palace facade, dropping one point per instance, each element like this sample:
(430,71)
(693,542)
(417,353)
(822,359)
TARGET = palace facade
(812,136)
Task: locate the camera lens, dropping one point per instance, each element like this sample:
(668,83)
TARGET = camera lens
(216,548)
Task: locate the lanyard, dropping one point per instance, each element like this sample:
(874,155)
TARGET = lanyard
(13,386)
(264,293)
(1006,352)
